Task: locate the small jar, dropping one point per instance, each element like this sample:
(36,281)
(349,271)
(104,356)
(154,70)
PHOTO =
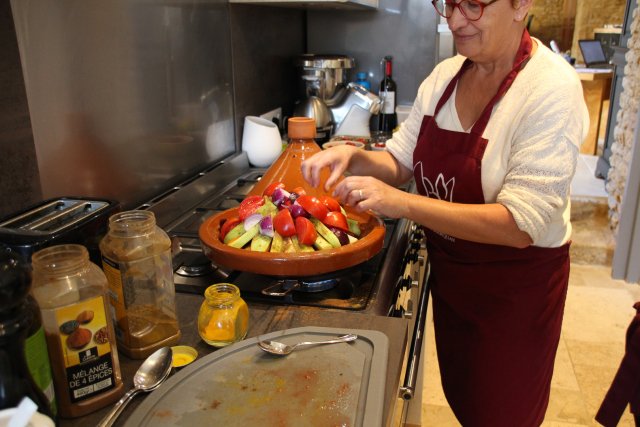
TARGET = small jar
(224,316)
(136,257)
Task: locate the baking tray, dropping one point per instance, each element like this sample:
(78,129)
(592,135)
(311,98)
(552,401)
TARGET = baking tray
(336,384)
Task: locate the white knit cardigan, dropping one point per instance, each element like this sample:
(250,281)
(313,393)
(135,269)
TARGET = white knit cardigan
(534,135)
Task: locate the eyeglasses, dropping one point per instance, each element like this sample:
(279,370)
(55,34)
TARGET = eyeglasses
(471,9)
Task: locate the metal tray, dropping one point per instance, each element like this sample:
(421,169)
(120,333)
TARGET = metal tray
(337,384)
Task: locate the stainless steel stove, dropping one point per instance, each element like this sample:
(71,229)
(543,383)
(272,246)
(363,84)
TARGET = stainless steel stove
(392,283)
(366,287)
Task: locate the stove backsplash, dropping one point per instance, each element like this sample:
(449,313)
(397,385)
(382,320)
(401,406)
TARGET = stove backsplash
(127,98)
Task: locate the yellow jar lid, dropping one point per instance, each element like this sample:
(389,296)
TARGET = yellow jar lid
(183,355)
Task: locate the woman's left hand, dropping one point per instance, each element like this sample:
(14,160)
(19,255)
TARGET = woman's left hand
(370,194)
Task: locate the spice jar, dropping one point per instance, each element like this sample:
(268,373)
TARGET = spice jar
(224,316)
(72,294)
(136,257)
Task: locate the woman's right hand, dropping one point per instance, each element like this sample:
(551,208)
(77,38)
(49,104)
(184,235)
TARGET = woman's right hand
(337,159)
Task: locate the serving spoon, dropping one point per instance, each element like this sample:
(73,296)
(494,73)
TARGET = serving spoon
(153,371)
(281,349)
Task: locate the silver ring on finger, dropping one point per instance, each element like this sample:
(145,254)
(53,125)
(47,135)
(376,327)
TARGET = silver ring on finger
(360,194)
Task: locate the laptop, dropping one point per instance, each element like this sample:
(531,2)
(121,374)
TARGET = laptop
(593,54)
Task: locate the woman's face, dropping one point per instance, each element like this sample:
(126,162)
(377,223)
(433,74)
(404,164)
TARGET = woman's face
(486,39)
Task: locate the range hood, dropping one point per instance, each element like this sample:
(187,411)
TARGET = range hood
(314,4)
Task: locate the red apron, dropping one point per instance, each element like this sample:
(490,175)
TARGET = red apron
(497,309)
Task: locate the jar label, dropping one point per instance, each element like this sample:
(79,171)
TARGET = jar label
(86,348)
(35,348)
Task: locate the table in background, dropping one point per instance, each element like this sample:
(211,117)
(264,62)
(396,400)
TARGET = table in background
(596,86)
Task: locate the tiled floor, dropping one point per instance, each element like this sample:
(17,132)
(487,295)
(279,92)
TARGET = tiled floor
(597,313)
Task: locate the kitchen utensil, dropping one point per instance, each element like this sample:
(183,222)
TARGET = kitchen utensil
(241,385)
(280,349)
(153,371)
(261,141)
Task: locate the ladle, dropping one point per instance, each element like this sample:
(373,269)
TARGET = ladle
(153,371)
(280,349)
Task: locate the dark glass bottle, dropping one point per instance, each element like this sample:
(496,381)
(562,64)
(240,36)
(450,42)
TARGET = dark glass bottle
(388,119)
(16,381)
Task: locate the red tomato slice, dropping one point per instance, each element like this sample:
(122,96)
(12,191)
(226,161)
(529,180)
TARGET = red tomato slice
(283,223)
(249,206)
(313,206)
(305,230)
(272,187)
(336,219)
(331,203)
(228,225)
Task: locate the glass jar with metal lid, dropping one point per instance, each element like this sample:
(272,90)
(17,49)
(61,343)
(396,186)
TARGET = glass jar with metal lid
(136,257)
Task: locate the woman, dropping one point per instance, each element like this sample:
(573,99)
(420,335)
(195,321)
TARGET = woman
(492,141)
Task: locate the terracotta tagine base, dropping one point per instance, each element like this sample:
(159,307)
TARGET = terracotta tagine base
(286,169)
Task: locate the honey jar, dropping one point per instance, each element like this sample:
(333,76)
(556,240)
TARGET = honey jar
(224,316)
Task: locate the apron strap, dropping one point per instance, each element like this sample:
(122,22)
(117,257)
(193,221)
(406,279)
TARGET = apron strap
(523,54)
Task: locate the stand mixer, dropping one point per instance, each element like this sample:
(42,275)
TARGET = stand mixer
(338,107)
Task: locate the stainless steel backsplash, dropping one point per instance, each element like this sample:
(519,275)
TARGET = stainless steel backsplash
(125,97)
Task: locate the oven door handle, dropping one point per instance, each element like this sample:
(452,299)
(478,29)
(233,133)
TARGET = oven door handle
(415,347)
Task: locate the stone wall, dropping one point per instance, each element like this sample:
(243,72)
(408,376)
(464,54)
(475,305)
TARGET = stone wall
(626,122)
(550,22)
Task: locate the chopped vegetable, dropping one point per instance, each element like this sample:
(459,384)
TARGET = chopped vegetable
(228,225)
(249,206)
(266,226)
(271,188)
(234,233)
(279,196)
(337,220)
(283,223)
(314,206)
(331,203)
(305,231)
(252,220)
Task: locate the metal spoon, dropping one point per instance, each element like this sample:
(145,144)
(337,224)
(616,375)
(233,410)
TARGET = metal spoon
(153,371)
(275,347)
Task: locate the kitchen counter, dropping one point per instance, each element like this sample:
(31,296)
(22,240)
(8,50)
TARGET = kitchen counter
(268,318)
